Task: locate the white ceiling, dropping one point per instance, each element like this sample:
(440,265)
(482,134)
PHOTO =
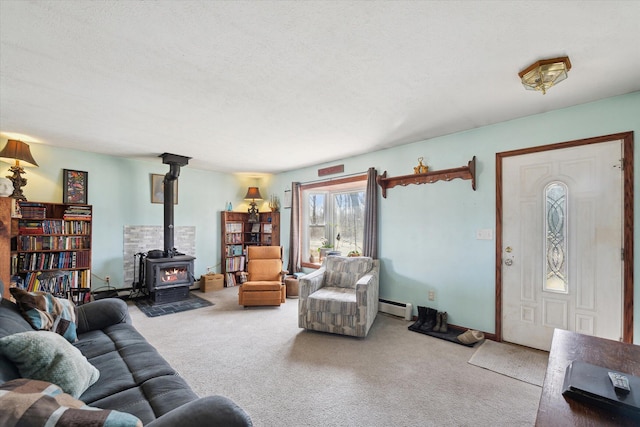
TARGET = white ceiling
(270,86)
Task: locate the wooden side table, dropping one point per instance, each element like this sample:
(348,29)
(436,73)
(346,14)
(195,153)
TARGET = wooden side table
(293,286)
(555,409)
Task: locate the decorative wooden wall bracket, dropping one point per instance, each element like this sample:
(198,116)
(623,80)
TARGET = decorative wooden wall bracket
(463,172)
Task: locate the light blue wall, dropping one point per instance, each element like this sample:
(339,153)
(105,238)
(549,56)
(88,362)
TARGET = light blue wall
(427,232)
(119,190)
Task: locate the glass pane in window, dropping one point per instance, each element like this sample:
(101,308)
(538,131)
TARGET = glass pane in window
(317,221)
(556,242)
(348,221)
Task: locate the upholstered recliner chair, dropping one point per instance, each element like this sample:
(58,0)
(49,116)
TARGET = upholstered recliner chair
(265,282)
(340,297)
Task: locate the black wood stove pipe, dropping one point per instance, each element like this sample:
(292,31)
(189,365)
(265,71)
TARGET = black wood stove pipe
(175,162)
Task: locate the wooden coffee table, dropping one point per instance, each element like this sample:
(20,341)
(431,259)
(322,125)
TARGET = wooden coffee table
(555,409)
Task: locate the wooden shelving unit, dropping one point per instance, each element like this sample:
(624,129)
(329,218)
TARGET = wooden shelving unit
(463,172)
(50,248)
(238,233)
(5,244)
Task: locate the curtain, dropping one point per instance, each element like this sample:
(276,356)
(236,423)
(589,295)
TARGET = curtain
(370,243)
(294,234)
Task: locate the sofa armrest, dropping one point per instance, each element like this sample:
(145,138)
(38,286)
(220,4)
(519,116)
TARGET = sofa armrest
(99,314)
(210,411)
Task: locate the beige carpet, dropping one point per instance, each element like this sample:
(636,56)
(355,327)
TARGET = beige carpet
(285,376)
(522,363)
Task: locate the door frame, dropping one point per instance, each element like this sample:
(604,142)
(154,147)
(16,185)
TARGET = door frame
(628,258)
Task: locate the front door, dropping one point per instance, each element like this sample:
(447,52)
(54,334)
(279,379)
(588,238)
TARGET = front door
(562,240)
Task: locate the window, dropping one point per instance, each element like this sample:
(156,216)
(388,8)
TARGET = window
(332,218)
(556,238)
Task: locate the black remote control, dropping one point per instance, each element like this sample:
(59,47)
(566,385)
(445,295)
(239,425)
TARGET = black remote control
(620,382)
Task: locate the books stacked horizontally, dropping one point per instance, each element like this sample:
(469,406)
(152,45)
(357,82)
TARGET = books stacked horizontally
(30,227)
(33,210)
(77,212)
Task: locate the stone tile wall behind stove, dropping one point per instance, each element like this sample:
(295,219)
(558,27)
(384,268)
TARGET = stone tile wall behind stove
(143,238)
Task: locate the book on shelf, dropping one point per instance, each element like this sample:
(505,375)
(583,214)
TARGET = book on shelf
(32,210)
(58,282)
(231,280)
(268,228)
(31,227)
(234,227)
(235,263)
(77,212)
(233,238)
(255,228)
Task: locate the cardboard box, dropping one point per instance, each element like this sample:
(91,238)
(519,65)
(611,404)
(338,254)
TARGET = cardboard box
(211,282)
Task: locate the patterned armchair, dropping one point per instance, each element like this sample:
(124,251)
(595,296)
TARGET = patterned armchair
(341,297)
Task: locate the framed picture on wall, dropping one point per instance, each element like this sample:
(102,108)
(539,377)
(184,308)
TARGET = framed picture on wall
(74,186)
(287,199)
(157,189)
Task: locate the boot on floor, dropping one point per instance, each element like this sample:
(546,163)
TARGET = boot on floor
(430,319)
(436,328)
(422,312)
(444,327)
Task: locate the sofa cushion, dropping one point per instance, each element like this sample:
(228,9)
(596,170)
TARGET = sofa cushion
(47,356)
(133,376)
(344,272)
(11,322)
(40,403)
(151,399)
(334,300)
(48,313)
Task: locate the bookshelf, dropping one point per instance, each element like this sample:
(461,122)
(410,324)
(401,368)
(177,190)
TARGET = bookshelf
(51,248)
(238,233)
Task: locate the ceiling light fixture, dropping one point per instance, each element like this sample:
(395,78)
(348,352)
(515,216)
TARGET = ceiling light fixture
(543,74)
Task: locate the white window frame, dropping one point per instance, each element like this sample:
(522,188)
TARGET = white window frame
(355,183)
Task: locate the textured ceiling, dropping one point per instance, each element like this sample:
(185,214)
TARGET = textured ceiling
(274,86)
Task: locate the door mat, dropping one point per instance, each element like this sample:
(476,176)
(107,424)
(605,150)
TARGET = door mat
(515,361)
(152,309)
(451,335)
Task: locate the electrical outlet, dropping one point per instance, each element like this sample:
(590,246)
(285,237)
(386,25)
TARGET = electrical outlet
(107,279)
(432,295)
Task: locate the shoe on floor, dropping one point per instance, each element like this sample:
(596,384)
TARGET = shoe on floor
(470,337)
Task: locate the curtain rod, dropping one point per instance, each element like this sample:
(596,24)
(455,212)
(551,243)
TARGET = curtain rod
(333,178)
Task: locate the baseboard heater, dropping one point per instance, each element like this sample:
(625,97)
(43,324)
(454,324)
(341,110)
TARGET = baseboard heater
(395,308)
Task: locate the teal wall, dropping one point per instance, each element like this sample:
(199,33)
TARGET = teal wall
(427,232)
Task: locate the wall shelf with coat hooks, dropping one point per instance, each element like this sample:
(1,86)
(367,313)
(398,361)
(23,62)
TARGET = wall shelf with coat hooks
(463,172)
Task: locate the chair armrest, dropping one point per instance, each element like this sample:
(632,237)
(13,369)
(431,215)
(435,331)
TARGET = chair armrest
(205,412)
(367,291)
(283,274)
(310,283)
(99,314)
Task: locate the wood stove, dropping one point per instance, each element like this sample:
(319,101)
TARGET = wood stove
(168,273)
(169,279)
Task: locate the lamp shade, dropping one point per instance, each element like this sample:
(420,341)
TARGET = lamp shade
(543,74)
(18,150)
(253,193)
